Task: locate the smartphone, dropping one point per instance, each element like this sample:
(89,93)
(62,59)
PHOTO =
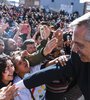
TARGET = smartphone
(42,32)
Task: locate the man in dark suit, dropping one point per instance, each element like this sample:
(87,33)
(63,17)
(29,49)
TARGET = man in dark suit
(77,67)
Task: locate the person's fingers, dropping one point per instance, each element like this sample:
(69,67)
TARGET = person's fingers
(24,53)
(6,89)
(67,56)
(56,61)
(52,42)
(62,60)
(50,46)
(65,59)
(13,91)
(13,96)
(54,39)
(11,88)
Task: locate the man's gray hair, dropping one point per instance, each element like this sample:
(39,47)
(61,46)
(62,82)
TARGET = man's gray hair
(87,36)
(85,19)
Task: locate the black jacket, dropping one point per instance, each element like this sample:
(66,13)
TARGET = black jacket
(74,68)
(82,73)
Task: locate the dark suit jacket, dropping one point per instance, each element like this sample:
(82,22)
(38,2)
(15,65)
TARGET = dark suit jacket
(74,68)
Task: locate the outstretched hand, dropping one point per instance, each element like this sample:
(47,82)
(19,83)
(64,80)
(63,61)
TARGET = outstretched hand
(50,46)
(25,53)
(7,93)
(62,60)
(59,35)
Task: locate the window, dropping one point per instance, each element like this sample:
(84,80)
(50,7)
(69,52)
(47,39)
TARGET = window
(52,0)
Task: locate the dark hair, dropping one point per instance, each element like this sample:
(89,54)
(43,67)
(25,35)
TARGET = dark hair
(44,23)
(3,64)
(38,34)
(6,45)
(26,42)
(13,56)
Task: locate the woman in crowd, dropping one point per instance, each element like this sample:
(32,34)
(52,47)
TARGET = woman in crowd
(2,46)
(6,76)
(10,46)
(22,68)
(6,71)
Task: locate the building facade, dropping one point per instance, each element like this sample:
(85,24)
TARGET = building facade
(3,2)
(87,7)
(31,3)
(69,6)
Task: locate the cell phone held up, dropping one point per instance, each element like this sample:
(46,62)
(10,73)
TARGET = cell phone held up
(42,32)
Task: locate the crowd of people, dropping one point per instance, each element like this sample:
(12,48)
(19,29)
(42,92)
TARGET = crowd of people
(37,61)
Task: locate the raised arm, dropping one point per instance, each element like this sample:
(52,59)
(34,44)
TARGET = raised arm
(46,75)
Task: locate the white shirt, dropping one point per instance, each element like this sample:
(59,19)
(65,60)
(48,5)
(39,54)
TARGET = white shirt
(24,93)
